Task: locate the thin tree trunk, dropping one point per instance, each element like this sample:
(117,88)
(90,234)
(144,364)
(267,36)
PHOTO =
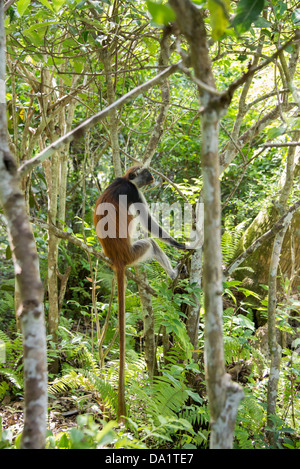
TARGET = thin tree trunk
(192,324)
(26,266)
(274,347)
(224,395)
(148,319)
(113,118)
(145,297)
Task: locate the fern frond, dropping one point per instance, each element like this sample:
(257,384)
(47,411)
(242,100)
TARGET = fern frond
(71,380)
(89,381)
(234,350)
(12,376)
(196,415)
(4,337)
(89,360)
(108,393)
(169,396)
(230,240)
(4,387)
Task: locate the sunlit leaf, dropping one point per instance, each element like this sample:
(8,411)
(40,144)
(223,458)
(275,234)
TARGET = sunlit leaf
(246,13)
(22,6)
(161,14)
(296,16)
(219,18)
(46,4)
(57,4)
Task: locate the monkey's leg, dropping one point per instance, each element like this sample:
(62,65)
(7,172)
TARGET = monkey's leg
(163,260)
(146,249)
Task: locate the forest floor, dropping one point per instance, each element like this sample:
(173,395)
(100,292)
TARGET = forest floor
(61,418)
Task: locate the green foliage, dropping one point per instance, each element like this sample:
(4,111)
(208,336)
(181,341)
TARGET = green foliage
(168,411)
(161,14)
(230,240)
(219,16)
(247,12)
(87,435)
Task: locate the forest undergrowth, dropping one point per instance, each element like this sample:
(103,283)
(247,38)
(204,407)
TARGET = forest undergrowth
(170,411)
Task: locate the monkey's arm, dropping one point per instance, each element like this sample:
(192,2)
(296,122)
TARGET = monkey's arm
(151,225)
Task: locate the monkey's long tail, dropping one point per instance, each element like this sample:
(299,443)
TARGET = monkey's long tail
(121,301)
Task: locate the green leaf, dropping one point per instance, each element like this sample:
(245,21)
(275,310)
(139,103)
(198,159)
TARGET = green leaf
(161,14)
(22,6)
(57,4)
(219,18)
(276,131)
(8,252)
(247,11)
(296,16)
(46,4)
(35,37)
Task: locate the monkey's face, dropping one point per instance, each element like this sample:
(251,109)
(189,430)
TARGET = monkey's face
(140,176)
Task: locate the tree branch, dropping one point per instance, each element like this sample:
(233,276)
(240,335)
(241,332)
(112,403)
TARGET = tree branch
(279,225)
(92,121)
(90,249)
(278,145)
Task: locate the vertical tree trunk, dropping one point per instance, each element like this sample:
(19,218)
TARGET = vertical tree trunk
(113,118)
(193,318)
(274,347)
(51,173)
(224,396)
(26,265)
(56,176)
(148,319)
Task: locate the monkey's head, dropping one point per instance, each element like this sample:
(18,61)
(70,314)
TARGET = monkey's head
(139,176)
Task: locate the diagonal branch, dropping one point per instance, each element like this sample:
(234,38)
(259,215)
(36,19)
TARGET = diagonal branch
(92,121)
(279,225)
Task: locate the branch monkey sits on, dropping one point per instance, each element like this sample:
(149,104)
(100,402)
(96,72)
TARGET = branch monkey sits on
(115,226)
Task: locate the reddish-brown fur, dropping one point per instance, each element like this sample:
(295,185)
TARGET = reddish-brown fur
(120,252)
(117,249)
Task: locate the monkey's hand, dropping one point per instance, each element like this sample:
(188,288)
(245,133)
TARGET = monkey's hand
(181,246)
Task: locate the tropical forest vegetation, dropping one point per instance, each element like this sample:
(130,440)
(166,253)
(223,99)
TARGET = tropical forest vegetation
(206,95)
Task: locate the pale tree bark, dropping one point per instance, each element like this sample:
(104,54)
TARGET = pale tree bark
(240,141)
(145,297)
(165,100)
(277,227)
(274,347)
(193,316)
(113,118)
(57,111)
(148,321)
(51,168)
(224,396)
(78,132)
(26,266)
(56,177)
(261,226)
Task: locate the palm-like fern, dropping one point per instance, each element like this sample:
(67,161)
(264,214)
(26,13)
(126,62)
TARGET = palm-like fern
(230,240)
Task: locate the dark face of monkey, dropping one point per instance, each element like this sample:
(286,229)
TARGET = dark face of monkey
(140,176)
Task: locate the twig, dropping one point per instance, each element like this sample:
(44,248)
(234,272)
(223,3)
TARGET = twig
(198,82)
(258,242)
(278,145)
(8,4)
(252,70)
(90,249)
(92,121)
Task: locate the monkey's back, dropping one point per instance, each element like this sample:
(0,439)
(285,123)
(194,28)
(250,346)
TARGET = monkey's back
(112,220)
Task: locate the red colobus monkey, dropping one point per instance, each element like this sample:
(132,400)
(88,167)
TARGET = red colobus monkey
(114,223)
